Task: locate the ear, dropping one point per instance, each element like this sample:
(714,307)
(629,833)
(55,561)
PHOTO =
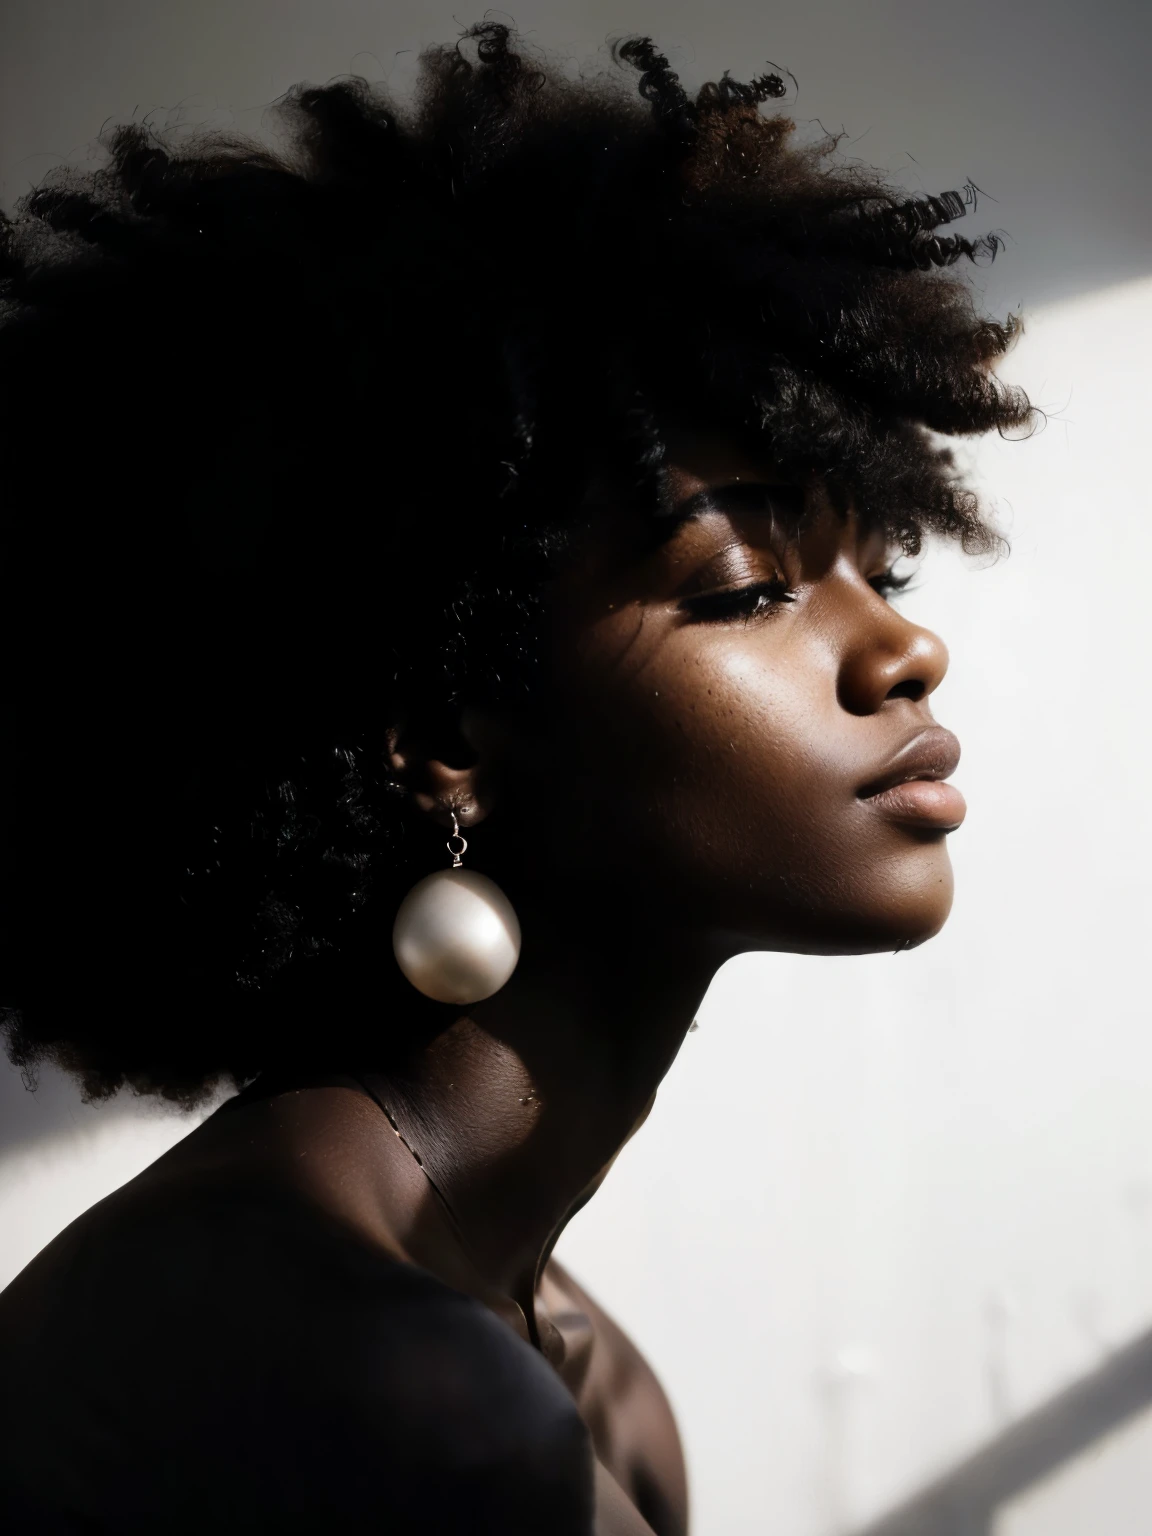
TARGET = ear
(437,759)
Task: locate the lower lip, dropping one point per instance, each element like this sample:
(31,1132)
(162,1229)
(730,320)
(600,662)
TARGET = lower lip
(924,802)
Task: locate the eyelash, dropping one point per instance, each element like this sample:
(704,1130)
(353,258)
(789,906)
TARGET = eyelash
(888,585)
(751,602)
(758,599)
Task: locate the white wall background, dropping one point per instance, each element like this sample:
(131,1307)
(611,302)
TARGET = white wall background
(882,1204)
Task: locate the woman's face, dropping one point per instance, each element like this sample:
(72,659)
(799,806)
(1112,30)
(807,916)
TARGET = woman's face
(740,741)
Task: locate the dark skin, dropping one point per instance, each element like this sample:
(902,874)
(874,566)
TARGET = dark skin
(728,704)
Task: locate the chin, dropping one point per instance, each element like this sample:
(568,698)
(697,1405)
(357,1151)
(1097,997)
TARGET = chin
(898,906)
(914,901)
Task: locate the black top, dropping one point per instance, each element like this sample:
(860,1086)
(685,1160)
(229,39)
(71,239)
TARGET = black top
(257,1366)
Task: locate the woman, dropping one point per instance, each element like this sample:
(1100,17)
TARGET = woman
(523,470)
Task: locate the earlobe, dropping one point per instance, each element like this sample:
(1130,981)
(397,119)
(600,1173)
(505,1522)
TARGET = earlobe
(442,770)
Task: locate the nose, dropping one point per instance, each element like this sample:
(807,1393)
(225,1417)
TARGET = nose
(889,658)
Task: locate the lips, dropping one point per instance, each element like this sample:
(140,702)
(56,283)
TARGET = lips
(911,789)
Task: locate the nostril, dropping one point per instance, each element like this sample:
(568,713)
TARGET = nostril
(912,688)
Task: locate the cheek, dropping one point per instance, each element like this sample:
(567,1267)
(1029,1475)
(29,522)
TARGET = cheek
(719,770)
(715,758)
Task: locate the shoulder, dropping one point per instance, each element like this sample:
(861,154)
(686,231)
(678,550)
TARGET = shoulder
(265,1361)
(633,1426)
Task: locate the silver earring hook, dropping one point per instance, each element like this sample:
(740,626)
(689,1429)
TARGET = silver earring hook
(458,838)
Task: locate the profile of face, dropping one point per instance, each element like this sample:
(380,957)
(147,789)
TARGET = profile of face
(740,751)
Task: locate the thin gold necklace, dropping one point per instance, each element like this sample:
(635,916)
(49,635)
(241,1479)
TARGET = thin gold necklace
(365,1081)
(530,1322)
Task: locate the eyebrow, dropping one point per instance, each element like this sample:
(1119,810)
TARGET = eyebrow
(735,496)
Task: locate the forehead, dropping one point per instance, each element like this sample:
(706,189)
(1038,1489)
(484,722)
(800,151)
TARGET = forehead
(703,456)
(706,458)
(697,459)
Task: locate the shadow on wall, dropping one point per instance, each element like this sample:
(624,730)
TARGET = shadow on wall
(969,1500)
(54,1110)
(59,1156)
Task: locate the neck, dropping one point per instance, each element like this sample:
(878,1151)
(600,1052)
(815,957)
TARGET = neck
(519,1108)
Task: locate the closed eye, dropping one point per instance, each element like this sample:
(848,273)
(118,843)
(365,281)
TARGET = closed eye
(754,600)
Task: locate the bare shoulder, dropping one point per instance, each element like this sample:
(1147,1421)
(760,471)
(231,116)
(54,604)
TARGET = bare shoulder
(258,1355)
(620,1397)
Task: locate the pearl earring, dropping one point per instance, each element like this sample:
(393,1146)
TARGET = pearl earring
(456,935)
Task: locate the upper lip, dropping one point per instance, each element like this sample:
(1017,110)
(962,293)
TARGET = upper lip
(931,754)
